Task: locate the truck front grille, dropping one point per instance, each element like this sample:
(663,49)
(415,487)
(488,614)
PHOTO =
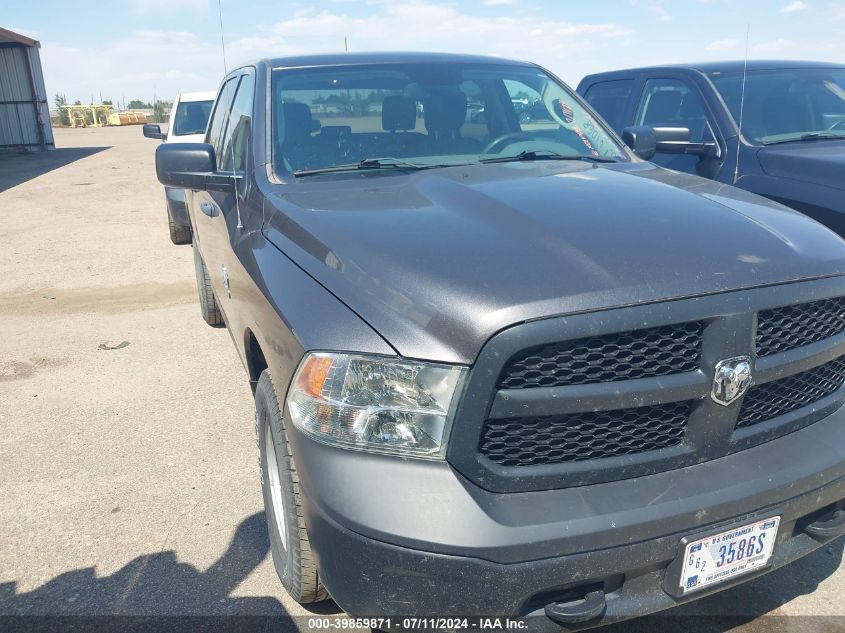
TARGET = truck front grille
(597,397)
(788,327)
(584,436)
(659,351)
(779,397)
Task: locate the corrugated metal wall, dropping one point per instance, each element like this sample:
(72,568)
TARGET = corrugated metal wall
(19,121)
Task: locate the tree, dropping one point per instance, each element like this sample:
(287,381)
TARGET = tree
(64,116)
(160,110)
(137,104)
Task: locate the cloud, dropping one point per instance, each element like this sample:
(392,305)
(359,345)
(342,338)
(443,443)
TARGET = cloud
(174,61)
(499,3)
(432,26)
(181,60)
(167,6)
(793,7)
(774,46)
(660,11)
(722,45)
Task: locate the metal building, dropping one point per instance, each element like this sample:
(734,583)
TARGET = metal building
(24,111)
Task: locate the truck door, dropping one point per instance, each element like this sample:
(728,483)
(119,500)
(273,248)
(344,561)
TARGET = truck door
(221,217)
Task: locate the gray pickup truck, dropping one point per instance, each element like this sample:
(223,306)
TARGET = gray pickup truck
(501,365)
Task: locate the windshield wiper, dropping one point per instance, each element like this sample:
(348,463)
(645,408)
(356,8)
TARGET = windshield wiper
(533,154)
(368,163)
(812,136)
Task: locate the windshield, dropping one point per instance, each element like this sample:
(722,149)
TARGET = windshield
(427,115)
(788,104)
(191,117)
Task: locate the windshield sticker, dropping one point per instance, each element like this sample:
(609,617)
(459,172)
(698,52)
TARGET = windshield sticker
(585,140)
(601,140)
(564,111)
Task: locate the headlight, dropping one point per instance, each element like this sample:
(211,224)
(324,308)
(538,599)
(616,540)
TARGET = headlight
(375,403)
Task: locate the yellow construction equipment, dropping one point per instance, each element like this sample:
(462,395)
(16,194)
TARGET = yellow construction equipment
(82,115)
(127,118)
(78,114)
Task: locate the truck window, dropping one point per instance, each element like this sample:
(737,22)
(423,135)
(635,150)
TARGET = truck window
(783,105)
(530,109)
(191,117)
(608,98)
(221,113)
(672,103)
(235,142)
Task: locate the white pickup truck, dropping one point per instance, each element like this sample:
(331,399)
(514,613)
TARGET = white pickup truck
(188,120)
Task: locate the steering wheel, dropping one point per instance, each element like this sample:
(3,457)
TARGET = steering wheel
(837,125)
(504,140)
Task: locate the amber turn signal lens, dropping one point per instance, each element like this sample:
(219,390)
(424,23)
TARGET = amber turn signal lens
(313,375)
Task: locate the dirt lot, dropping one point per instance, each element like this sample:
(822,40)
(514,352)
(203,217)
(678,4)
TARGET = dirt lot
(129,473)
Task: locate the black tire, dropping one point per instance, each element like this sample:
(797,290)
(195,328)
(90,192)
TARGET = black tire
(179,234)
(208,302)
(291,551)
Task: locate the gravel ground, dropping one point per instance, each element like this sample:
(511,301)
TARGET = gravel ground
(129,473)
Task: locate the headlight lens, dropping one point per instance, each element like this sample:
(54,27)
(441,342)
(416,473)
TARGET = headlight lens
(375,403)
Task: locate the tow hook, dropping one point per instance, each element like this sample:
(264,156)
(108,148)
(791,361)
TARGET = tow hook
(829,526)
(589,608)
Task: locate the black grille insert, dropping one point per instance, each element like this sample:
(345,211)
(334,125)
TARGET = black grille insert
(558,439)
(785,328)
(779,397)
(659,351)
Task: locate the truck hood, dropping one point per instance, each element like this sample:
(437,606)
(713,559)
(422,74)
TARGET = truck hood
(816,162)
(439,261)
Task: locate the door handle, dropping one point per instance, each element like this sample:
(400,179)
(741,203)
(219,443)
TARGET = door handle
(209,209)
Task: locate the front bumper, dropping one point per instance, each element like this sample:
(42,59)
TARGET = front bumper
(412,538)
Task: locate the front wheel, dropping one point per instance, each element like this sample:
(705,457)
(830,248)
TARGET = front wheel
(289,542)
(179,234)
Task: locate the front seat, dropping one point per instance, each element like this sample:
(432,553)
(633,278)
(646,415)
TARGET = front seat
(786,113)
(296,145)
(399,118)
(444,115)
(662,108)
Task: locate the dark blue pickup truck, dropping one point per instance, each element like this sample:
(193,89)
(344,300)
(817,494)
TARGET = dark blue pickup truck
(792,146)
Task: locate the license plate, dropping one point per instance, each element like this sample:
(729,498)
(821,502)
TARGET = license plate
(721,557)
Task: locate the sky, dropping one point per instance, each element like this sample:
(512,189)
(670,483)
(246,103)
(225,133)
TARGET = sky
(146,48)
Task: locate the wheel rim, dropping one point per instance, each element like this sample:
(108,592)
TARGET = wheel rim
(274,481)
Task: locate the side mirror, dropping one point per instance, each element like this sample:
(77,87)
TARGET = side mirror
(641,139)
(191,166)
(153,130)
(675,140)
